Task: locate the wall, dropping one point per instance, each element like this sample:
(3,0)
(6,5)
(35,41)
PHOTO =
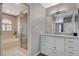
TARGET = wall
(37,19)
(48,28)
(13,19)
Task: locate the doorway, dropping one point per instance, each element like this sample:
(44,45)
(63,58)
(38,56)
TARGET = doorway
(14,29)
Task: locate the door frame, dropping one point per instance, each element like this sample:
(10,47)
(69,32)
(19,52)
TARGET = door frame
(0,29)
(28,30)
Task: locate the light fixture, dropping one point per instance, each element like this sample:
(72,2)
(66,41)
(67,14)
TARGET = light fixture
(58,10)
(16,3)
(53,12)
(61,10)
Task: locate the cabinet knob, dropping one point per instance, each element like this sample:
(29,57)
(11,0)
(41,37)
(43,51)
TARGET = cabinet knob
(54,47)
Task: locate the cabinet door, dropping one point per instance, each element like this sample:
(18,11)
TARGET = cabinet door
(59,44)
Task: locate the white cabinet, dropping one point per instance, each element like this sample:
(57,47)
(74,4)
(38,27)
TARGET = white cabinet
(59,46)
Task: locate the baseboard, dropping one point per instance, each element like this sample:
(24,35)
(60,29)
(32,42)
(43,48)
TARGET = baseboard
(36,53)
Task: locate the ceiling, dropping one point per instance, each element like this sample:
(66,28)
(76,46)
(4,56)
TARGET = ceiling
(13,8)
(62,7)
(46,5)
(16,8)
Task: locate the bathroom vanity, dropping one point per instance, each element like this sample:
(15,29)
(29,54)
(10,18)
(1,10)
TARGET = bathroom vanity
(59,45)
(61,31)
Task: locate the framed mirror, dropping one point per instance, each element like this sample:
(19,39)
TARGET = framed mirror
(62,18)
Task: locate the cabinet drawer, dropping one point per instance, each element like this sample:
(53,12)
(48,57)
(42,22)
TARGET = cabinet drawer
(56,53)
(53,53)
(44,51)
(43,40)
(43,43)
(43,47)
(46,45)
(70,52)
(69,47)
(60,53)
(70,41)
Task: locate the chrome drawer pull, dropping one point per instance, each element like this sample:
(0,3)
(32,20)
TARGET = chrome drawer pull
(54,47)
(70,52)
(70,41)
(70,47)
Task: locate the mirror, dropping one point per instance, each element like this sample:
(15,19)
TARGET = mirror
(62,18)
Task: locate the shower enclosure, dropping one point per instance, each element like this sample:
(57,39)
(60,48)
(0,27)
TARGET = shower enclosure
(23,31)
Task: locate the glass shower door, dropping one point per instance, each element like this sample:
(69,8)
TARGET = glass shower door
(23,31)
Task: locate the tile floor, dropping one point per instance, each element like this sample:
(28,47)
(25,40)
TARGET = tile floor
(11,47)
(14,52)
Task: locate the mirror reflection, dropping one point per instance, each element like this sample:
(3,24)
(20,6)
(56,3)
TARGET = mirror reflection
(62,20)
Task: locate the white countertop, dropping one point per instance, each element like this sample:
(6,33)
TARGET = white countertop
(60,35)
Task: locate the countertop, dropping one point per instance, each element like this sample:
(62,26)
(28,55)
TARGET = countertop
(61,35)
